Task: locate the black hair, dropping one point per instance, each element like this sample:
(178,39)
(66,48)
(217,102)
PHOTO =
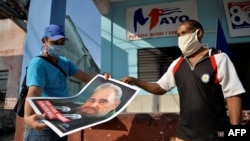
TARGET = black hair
(194,24)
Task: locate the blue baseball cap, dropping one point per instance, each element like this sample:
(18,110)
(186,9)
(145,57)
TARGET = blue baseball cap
(54,32)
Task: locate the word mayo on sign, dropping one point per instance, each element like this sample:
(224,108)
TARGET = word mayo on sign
(158,20)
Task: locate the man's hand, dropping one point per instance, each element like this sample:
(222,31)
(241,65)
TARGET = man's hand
(107,75)
(129,80)
(153,88)
(34,121)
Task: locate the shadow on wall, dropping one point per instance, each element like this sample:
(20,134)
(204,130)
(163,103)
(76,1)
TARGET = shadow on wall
(152,127)
(133,127)
(7,122)
(240,58)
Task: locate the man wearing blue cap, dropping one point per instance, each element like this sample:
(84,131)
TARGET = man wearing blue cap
(46,80)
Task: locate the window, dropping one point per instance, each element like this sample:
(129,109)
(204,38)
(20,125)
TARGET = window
(154,62)
(3,86)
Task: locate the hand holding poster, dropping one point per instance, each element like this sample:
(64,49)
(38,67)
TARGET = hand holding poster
(99,101)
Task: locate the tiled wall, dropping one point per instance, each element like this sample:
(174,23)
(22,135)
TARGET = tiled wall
(154,103)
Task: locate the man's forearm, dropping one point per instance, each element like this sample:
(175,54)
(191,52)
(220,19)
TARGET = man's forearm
(234,109)
(150,87)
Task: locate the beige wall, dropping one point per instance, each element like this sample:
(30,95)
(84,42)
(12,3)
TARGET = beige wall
(12,40)
(154,103)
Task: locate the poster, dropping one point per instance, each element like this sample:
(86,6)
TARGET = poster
(99,101)
(238,17)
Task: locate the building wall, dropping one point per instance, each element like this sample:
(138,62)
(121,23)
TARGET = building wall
(11,53)
(119,55)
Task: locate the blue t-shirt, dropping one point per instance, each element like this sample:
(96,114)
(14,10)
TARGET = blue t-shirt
(48,77)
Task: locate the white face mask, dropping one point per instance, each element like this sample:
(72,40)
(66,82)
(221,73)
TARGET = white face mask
(56,50)
(189,43)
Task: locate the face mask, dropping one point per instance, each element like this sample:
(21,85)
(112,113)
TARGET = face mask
(189,43)
(56,50)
